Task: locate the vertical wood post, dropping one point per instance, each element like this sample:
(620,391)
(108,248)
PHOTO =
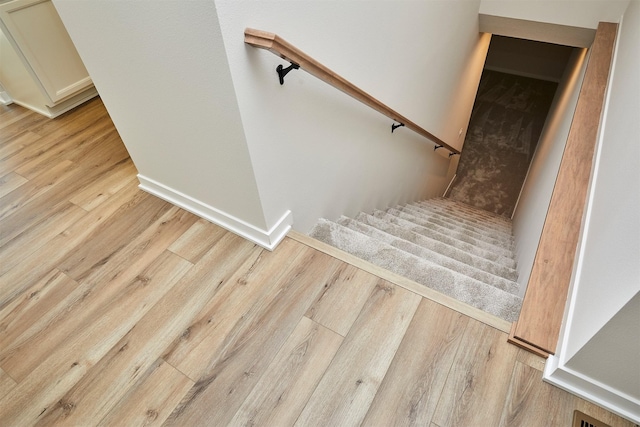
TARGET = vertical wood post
(545,299)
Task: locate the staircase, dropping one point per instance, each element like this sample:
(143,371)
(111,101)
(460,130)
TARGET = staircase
(450,247)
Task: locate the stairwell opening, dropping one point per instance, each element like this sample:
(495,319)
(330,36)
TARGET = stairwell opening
(464,250)
(518,84)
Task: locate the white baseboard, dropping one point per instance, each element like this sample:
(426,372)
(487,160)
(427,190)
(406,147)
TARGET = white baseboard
(5,99)
(591,390)
(268,239)
(61,108)
(450,184)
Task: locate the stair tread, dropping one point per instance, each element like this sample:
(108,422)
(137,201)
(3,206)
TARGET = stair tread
(464,208)
(452,241)
(501,238)
(475,222)
(468,290)
(490,244)
(440,247)
(433,256)
(457,216)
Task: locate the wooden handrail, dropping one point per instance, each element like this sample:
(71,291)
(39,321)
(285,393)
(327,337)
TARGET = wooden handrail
(277,45)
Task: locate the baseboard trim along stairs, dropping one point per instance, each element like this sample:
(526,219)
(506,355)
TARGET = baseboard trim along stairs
(441,247)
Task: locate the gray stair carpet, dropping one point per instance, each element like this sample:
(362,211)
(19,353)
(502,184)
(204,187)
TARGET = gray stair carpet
(464,210)
(495,237)
(479,225)
(459,251)
(454,233)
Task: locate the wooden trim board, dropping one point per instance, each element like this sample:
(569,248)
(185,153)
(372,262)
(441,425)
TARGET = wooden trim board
(545,299)
(523,345)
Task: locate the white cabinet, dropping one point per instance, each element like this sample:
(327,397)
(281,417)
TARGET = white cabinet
(40,67)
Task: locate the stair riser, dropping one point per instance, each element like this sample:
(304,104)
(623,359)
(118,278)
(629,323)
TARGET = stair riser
(459,225)
(502,230)
(470,210)
(434,257)
(463,207)
(475,250)
(440,247)
(456,234)
(446,210)
(458,286)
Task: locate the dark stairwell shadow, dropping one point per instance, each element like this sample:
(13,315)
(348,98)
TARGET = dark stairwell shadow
(507,119)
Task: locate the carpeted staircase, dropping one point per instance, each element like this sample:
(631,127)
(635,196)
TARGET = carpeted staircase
(453,248)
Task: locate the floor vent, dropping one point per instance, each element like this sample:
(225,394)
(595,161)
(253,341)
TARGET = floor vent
(584,420)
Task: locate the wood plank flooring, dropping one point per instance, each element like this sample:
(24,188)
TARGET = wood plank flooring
(119,309)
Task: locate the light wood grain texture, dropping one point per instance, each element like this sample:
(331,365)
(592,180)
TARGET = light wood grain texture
(91,350)
(403,282)
(531,359)
(66,145)
(81,350)
(108,240)
(478,381)
(10,182)
(33,190)
(92,303)
(230,374)
(12,146)
(13,115)
(350,384)
(119,369)
(99,164)
(342,299)
(63,136)
(6,383)
(410,391)
(100,190)
(63,127)
(41,261)
(20,248)
(530,399)
(205,338)
(23,123)
(20,150)
(137,350)
(544,303)
(151,400)
(280,47)
(39,306)
(281,393)
(201,237)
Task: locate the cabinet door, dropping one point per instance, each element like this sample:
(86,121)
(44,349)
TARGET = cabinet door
(37,33)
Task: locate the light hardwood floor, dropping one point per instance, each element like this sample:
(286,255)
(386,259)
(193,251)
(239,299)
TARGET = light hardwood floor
(117,308)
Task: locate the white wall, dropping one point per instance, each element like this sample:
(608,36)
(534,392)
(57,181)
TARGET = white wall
(607,275)
(320,153)
(615,345)
(161,70)
(531,210)
(575,13)
(209,128)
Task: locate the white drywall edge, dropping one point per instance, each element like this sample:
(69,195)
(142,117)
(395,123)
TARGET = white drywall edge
(591,390)
(268,239)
